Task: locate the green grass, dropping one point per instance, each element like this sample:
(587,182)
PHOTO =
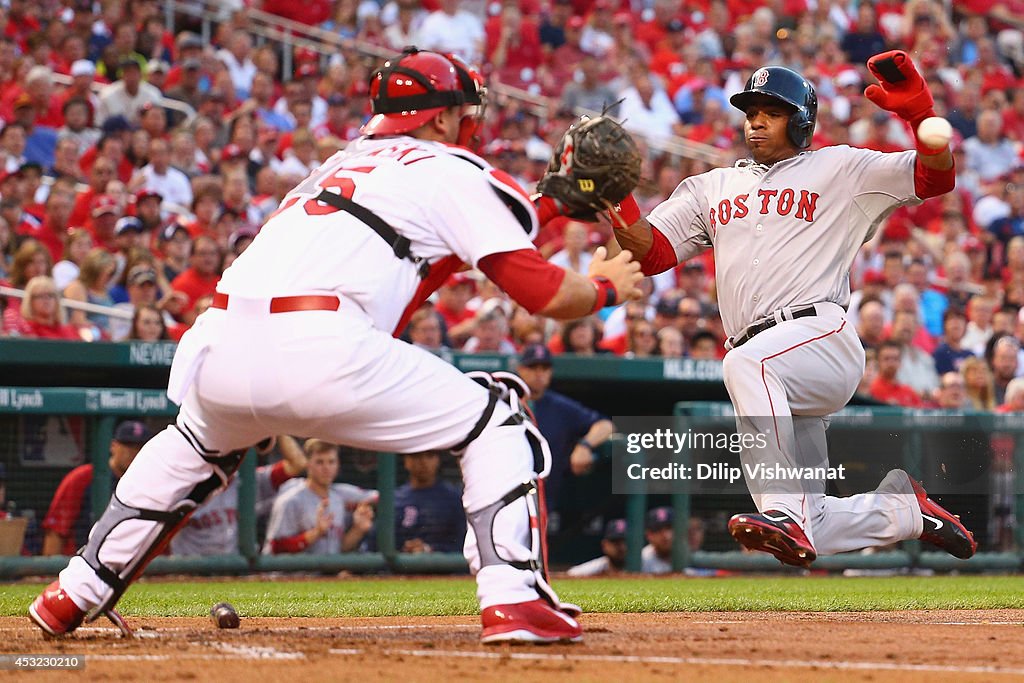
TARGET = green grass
(455,596)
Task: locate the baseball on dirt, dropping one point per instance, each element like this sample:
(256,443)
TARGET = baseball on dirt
(224,615)
(935,132)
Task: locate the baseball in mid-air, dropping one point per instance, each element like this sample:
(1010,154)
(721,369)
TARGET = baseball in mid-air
(935,132)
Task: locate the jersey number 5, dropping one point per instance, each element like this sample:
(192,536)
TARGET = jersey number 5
(345,185)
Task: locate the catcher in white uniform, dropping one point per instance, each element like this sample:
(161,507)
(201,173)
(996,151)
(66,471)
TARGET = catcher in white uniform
(299,341)
(785,227)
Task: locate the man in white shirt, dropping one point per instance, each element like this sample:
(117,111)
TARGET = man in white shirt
(126,96)
(236,58)
(164,179)
(450,29)
(613,553)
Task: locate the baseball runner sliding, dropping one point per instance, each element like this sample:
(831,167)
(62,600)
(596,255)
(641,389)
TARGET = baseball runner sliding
(785,227)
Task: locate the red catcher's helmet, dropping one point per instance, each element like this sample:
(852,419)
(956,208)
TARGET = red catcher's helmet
(410,90)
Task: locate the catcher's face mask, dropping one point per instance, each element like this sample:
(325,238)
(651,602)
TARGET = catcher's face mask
(475,92)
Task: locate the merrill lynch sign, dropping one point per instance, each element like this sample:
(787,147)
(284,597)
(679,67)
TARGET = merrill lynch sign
(126,400)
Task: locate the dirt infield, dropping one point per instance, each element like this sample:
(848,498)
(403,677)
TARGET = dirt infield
(722,646)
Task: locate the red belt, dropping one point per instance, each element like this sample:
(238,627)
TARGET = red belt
(289,304)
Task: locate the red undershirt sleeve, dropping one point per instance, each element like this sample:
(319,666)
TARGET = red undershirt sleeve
(660,257)
(930,182)
(525,276)
(289,544)
(278,475)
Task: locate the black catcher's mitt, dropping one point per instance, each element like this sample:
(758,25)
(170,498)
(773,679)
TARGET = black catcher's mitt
(596,165)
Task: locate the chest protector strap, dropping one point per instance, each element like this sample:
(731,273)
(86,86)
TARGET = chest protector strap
(399,244)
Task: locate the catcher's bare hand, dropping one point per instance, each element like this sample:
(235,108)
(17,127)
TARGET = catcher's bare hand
(622,271)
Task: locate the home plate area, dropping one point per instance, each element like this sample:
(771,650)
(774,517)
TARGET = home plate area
(940,645)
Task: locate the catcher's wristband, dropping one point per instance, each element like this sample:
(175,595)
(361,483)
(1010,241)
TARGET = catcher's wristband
(625,213)
(606,294)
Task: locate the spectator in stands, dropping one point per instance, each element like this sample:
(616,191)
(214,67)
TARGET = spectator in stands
(126,96)
(952,392)
(12,145)
(67,522)
(451,29)
(886,387)
(41,314)
(980,310)
(425,329)
(148,324)
(235,57)
(581,337)
(950,353)
(705,346)
(917,368)
(613,553)
(670,343)
(452,300)
(77,245)
(1014,399)
(51,230)
(978,384)
(689,318)
(189,88)
(656,556)
(572,430)
(490,330)
(76,125)
(319,516)
(864,39)
(93,286)
(647,109)
(428,512)
(871,323)
(141,285)
(989,153)
(201,277)
(213,527)
(176,245)
(160,177)
(574,255)
(1004,364)
(641,341)
(589,90)
(30,259)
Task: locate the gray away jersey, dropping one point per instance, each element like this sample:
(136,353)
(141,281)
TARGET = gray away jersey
(785,235)
(295,512)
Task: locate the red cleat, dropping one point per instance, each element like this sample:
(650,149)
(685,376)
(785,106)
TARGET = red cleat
(54,612)
(942,528)
(535,621)
(776,533)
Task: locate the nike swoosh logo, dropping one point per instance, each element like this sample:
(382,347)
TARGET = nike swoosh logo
(776,519)
(933,520)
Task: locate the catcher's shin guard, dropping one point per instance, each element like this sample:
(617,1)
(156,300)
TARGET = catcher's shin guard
(168,523)
(511,390)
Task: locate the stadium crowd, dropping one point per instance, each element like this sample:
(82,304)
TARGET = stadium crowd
(112,194)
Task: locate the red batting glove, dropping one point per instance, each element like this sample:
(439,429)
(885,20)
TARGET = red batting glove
(901,88)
